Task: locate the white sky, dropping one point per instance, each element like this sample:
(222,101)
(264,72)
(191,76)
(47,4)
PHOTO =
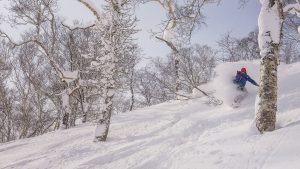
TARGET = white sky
(228,16)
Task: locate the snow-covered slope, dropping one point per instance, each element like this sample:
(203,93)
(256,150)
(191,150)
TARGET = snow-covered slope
(178,134)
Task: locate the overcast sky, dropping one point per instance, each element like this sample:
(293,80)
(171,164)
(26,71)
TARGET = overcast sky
(222,18)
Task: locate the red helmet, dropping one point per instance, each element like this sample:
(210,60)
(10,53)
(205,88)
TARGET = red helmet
(243,70)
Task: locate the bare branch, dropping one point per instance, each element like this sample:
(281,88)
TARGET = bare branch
(291,7)
(4,35)
(90,6)
(77,28)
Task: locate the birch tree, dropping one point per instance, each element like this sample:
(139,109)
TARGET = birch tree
(270,28)
(7,126)
(31,80)
(183,17)
(25,110)
(128,76)
(290,39)
(196,68)
(270,25)
(233,49)
(45,33)
(116,26)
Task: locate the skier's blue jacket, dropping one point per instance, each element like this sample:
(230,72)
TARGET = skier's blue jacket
(241,78)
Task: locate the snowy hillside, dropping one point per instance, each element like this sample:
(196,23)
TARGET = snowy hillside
(178,134)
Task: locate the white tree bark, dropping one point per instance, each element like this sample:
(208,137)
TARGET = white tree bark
(66,109)
(270,25)
(111,26)
(170,36)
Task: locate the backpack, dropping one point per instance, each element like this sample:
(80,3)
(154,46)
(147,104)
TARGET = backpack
(238,77)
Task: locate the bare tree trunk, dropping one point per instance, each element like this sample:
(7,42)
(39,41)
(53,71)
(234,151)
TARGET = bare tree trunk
(131,90)
(288,53)
(83,104)
(266,115)
(117,27)
(104,122)
(176,66)
(66,109)
(267,106)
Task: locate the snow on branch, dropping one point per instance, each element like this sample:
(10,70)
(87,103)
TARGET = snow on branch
(170,44)
(77,28)
(292,8)
(14,44)
(169,33)
(69,76)
(270,23)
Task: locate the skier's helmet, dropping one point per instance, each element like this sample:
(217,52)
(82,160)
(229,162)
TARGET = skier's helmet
(243,70)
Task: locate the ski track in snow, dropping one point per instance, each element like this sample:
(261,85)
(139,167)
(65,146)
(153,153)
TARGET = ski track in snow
(175,135)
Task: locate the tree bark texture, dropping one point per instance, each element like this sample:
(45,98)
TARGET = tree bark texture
(266,114)
(269,45)
(104,122)
(176,65)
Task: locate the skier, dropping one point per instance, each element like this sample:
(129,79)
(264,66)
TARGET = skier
(241,78)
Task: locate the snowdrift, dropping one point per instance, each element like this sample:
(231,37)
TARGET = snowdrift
(178,134)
